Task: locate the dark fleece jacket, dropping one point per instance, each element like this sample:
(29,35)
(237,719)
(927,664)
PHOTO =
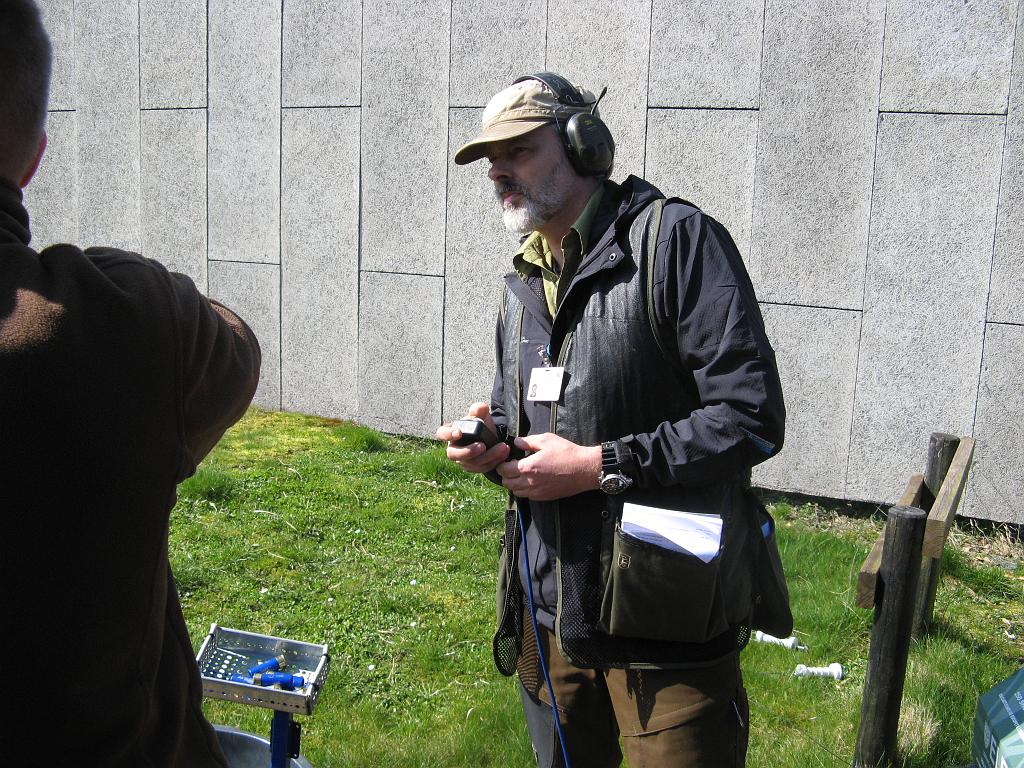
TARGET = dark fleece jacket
(116,378)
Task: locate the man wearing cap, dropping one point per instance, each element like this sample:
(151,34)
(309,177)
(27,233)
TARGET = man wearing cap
(635,382)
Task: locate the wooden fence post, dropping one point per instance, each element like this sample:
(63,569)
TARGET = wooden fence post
(941,449)
(890,637)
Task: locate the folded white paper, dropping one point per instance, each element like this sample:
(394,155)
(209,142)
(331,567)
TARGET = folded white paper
(697,534)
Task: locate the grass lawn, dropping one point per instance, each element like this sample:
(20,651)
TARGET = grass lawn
(376,545)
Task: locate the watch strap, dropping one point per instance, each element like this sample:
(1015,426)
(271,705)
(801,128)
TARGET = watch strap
(609,456)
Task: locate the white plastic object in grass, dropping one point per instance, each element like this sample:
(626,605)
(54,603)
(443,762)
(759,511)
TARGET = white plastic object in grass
(833,670)
(786,642)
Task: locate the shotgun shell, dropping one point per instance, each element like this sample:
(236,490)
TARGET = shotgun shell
(286,681)
(270,665)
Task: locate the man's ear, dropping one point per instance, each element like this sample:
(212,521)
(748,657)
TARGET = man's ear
(27,177)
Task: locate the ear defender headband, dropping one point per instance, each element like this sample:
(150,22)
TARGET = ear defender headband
(587,140)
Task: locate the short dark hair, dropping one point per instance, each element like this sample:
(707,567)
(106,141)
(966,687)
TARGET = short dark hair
(25,62)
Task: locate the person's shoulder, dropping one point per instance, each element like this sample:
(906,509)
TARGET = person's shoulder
(113,274)
(112,259)
(679,211)
(132,271)
(638,194)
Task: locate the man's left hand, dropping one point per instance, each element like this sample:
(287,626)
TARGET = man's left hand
(555,468)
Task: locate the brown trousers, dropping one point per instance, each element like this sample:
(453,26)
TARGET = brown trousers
(674,718)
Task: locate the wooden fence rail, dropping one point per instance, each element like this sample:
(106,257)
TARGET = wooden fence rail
(952,472)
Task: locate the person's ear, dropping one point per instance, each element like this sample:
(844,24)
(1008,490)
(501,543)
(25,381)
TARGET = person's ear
(27,177)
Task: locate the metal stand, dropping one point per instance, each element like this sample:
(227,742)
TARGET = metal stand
(224,661)
(283,732)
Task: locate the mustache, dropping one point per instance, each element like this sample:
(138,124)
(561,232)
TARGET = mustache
(508,186)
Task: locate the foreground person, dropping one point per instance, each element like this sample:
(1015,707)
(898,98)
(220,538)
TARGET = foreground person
(116,379)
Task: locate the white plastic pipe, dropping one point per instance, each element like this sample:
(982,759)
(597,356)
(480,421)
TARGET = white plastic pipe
(788,642)
(833,670)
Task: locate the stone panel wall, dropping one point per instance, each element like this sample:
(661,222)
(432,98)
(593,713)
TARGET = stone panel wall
(294,158)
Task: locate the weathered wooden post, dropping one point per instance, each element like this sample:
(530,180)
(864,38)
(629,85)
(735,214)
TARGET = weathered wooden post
(941,448)
(890,637)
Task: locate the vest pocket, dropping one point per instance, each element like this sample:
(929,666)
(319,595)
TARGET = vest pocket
(656,593)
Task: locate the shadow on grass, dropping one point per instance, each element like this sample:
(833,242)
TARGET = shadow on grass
(209,484)
(987,581)
(856,509)
(943,630)
(360,438)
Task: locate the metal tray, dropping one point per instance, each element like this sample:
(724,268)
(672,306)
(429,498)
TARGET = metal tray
(231,651)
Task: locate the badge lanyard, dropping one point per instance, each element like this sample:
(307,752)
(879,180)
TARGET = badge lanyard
(546,381)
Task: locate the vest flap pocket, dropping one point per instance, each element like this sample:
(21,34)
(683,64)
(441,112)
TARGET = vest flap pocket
(661,593)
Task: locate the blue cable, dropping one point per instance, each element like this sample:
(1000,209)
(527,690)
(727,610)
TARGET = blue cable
(536,636)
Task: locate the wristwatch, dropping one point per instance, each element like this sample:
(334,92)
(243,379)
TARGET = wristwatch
(612,479)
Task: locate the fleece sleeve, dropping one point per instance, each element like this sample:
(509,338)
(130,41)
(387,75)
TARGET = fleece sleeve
(219,364)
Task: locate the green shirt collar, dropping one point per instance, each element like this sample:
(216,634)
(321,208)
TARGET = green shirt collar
(535,252)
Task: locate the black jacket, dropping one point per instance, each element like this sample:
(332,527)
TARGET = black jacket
(694,418)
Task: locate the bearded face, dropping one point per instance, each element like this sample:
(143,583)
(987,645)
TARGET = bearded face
(536,203)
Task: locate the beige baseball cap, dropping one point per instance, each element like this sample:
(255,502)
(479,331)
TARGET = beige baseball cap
(519,109)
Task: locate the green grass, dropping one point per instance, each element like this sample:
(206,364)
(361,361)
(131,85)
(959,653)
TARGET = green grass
(378,546)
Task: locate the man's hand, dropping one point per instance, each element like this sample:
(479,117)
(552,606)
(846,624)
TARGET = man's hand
(556,468)
(475,457)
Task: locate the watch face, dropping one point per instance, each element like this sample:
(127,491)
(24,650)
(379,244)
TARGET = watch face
(613,484)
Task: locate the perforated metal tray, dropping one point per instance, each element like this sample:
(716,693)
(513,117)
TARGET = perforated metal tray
(226,652)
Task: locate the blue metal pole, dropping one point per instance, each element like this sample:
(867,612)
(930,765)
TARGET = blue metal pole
(280,736)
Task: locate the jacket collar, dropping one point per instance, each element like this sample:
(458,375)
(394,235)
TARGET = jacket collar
(631,197)
(13,216)
(619,208)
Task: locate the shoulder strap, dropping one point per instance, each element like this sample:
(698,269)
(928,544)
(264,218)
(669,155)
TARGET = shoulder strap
(650,244)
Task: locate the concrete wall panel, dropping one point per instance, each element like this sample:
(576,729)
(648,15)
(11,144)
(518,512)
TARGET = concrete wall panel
(706,53)
(707,157)
(172,52)
(1006,302)
(59,19)
(815,151)
(405,121)
(400,321)
(933,216)
(253,292)
(320,261)
(321,191)
(245,122)
(321,53)
(599,44)
(996,487)
(52,197)
(493,43)
(947,55)
(107,65)
(174,190)
(816,350)
(479,253)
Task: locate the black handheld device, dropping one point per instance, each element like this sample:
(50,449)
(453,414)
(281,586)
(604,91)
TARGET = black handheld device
(473,431)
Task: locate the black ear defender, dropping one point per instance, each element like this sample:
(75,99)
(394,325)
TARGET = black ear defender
(588,142)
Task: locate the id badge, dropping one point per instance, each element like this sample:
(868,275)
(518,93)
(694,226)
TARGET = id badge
(546,384)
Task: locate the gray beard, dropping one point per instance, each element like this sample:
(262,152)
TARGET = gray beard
(526,218)
(539,205)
